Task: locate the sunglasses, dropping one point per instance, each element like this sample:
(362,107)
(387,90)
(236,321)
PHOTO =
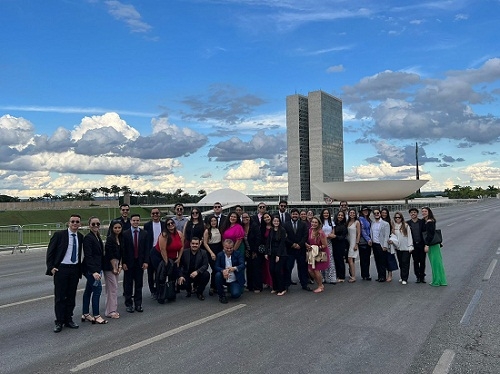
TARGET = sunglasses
(170,224)
(283,206)
(376,212)
(94,224)
(155,213)
(262,207)
(397,217)
(74,221)
(195,212)
(180,209)
(217,207)
(125,210)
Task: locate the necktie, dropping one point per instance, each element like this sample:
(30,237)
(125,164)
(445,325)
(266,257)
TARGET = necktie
(295,226)
(73,253)
(282,217)
(136,244)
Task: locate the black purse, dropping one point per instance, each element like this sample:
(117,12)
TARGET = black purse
(437,239)
(263,250)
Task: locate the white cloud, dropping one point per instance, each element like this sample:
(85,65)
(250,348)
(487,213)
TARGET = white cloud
(483,172)
(129,15)
(335,69)
(107,120)
(461,17)
(15,131)
(248,169)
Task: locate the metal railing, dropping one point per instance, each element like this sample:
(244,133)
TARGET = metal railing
(10,237)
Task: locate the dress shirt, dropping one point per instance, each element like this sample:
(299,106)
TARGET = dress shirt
(69,250)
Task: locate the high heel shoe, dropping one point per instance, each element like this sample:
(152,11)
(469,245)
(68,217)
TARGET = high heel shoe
(99,320)
(282,293)
(87,317)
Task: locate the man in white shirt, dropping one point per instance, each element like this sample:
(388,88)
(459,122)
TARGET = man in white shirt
(380,231)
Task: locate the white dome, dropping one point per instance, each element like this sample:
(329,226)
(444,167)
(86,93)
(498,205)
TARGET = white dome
(226,196)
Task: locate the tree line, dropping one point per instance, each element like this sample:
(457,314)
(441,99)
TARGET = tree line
(147,197)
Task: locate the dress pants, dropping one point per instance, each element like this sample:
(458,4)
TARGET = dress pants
(419,257)
(151,276)
(365,252)
(278,270)
(199,283)
(65,284)
(254,271)
(380,260)
(133,282)
(404,264)
(299,256)
(111,280)
(235,290)
(216,249)
(338,252)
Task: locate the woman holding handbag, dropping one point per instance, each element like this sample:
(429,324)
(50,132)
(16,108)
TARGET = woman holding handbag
(433,250)
(317,237)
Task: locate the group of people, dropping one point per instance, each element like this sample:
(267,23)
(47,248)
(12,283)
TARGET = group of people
(265,246)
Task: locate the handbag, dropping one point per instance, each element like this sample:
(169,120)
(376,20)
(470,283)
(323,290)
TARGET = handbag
(262,250)
(321,257)
(437,239)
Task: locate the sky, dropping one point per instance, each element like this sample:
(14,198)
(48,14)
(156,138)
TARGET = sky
(191,94)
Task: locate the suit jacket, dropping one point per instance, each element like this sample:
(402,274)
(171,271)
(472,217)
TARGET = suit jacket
(148,226)
(128,248)
(209,217)
(201,262)
(299,237)
(93,250)
(288,217)
(421,225)
(57,249)
(385,231)
(237,260)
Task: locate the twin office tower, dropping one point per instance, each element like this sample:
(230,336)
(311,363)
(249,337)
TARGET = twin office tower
(315,142)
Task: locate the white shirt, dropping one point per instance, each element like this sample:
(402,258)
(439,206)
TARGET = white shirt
(156,232)
(229,264)
(69,250)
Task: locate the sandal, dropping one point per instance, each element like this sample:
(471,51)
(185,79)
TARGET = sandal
(319,289)
(87,317)
(352,280)
(99,320)
(282,293)
(113,315)
(340,280)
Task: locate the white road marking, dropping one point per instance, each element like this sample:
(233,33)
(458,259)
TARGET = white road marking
(490,269)
(472,305)
(444,364)
(154,339)
(11,274)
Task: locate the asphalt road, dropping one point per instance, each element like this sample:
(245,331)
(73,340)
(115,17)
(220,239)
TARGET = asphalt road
(364,327)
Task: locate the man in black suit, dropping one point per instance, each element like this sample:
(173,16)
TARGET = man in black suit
(296,237)
(261,209)
(123,219)
(135,261)
(217,213)
(193,269)
(284,215)
(64,258)
(154,228)
(417,227)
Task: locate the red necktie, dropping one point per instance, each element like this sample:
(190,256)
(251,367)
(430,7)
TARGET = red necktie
(136,244)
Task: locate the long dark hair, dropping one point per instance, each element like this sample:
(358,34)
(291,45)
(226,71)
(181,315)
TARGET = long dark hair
(430,215)
(112,235)
(388,218)
(167,234)
(209,227)
(337,221)
(278,230)
(227,222)
(329,219)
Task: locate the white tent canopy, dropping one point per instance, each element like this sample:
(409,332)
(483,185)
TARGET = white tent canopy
(225,196)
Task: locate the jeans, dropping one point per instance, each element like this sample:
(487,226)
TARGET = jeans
(93,290)
(234,288)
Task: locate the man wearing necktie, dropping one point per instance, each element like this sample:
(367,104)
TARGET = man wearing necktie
(296,238)
(64,255)
(135,261)
(284,215)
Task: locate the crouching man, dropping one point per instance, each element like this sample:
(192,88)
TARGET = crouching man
(229,271)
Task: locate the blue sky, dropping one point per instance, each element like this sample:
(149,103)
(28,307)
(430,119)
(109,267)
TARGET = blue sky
(191,94)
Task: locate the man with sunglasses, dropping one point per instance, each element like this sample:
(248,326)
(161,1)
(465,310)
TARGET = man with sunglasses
(64,255)
(284,215)
(123,219)
(154,228)
(179,219)
(417,227)
(380,231)
(221,218)
(261,209)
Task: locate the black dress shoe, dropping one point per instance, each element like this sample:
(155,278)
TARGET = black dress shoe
(418,280)
(422,280)
(211,292)
(294,283)
(188,294)
(139,309)
(130,309)
(71,325)
(200,296)
(307,288)
(223,299)
(58,327)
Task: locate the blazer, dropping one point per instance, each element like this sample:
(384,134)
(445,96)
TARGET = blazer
(221,220)
(201,262)
(128,248)
(112,251)
(93,250)
(299,237)
(385,231)
(277,245)
(421,224)
(288,217)
(237,260)
(148,226)
(56,250)
(253,238)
